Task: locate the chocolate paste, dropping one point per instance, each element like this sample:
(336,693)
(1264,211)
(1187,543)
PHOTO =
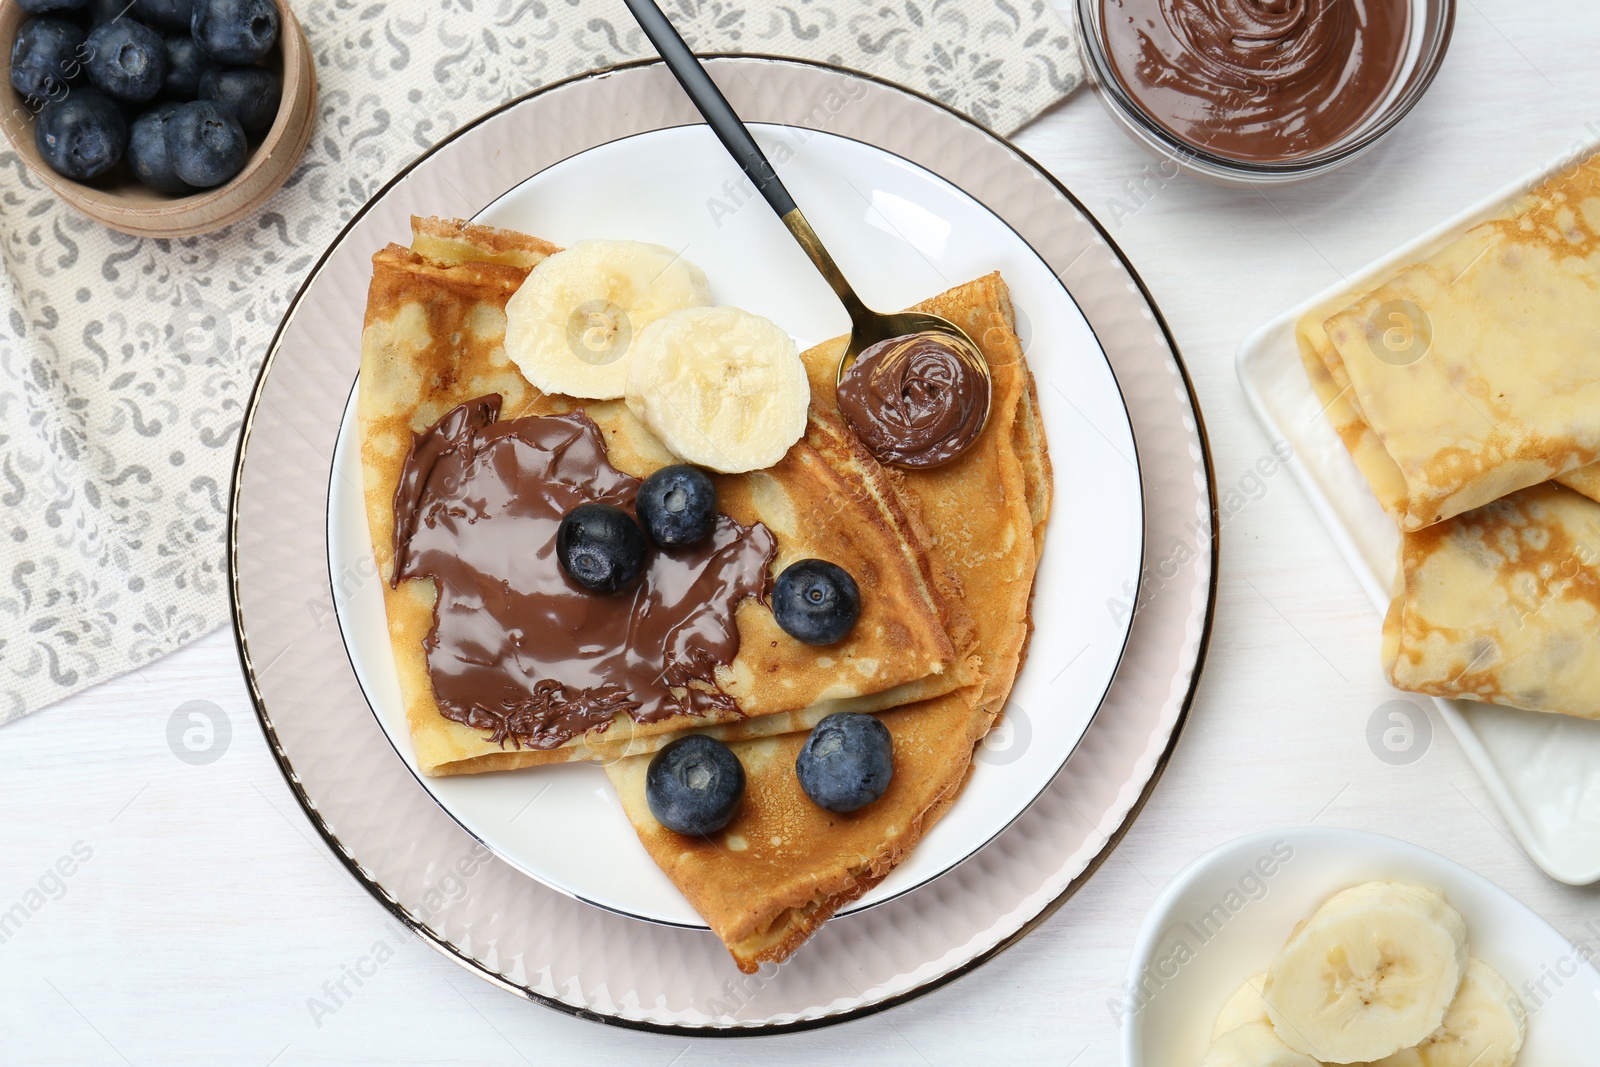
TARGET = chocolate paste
(1257,80)
(915,401)
(517,648)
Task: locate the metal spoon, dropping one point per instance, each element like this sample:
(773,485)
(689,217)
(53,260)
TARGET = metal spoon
(867,327)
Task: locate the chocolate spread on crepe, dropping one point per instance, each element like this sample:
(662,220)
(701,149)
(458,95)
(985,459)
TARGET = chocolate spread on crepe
(434,339)
(1257,80)
(517,648)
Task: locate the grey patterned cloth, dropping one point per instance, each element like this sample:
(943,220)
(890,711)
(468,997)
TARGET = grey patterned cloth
(125,363)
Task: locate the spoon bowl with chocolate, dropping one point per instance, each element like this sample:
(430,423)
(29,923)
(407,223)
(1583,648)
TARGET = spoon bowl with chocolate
(914,387)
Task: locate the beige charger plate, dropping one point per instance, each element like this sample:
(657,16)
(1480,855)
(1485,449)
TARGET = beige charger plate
(548,947)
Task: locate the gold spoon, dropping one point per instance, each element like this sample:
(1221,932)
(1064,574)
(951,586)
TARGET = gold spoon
(867,327)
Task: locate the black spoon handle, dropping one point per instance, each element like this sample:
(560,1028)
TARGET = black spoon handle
(713,105)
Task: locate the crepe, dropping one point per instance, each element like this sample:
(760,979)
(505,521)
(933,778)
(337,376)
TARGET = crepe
(1366,448)
(434,338)
(784,865)
(1475,368)
(1502,605)
(1585,480)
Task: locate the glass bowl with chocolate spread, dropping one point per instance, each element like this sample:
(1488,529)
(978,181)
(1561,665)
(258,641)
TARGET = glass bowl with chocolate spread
(1262,90)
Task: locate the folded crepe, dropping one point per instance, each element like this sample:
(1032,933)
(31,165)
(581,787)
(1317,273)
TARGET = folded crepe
(1366,448)
(433,340)
(1502,605)
(784,865)
(1475,368)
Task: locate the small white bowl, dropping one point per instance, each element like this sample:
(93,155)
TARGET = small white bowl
(1226,915)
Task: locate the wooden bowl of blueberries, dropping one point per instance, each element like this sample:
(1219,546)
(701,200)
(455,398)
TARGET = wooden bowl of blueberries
(160,118)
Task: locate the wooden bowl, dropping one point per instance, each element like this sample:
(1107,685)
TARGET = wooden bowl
(120,202)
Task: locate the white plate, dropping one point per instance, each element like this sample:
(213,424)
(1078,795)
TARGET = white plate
(677,187)
(1542,770)
(1268,882)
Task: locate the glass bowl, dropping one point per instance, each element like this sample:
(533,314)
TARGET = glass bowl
(1431,24)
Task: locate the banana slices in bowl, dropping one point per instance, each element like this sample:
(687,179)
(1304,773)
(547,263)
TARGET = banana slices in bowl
(1315,946)
(602,320)
(1370,973)
(1378,976)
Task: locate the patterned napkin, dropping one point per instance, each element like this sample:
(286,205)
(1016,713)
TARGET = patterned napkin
(125,362)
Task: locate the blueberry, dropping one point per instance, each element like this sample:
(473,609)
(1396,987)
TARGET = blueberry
(82,135)
(206,145)
(846,762)
(816,601)
(693,785)
(186,65)
(249,94)
(600,547)
(101,12)
(167,14)
(46,58)
(39,7)
(678,505)
(235,31)
(147,150)
(127,60)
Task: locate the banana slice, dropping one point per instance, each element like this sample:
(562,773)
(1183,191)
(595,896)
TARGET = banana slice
(720,387)
(1484,1026)
(1247,1005)
(1406,1057)
(1255,1044)
(1369,974)
(572,325)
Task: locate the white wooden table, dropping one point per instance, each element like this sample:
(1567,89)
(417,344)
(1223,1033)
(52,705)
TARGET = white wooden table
(207,914)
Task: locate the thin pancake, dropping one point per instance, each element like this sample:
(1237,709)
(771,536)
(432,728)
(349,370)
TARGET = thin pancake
(1585,480)
(434,338)
(1490,384)
(1366,448)
(1502,605)
(784,865)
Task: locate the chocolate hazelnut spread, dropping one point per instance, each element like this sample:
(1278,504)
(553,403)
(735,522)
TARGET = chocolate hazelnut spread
(1257,80)
(915,401)
(517,648)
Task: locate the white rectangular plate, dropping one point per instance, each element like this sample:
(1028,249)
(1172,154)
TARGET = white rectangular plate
(1542,770)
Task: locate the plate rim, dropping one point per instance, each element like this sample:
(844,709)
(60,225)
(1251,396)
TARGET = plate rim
(1259,346)
(1100,699)
(1113,839)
